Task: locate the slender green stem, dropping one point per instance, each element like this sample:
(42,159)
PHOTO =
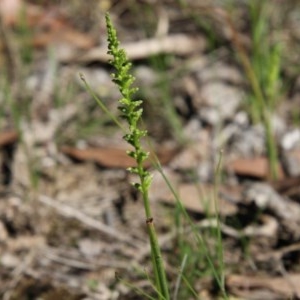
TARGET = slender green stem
(221,266)
(158,262)
(178,281)
(100,103)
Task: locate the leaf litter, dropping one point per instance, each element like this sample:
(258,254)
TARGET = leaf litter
(69,218)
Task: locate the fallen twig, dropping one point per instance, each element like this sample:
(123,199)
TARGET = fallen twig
(178,44)
(71,212)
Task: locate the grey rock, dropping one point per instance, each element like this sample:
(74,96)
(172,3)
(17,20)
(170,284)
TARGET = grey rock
(221,101)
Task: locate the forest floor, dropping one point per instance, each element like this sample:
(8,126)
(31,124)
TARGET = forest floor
(221,89)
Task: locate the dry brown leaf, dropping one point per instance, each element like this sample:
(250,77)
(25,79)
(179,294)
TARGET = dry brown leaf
(254,167)
(200,200)
(56,29)
(8,137)
(112,157)
(52,26)
(286,287)
(66,35)
(106,157)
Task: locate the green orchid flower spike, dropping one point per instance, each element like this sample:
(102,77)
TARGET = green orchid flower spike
(131,111)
